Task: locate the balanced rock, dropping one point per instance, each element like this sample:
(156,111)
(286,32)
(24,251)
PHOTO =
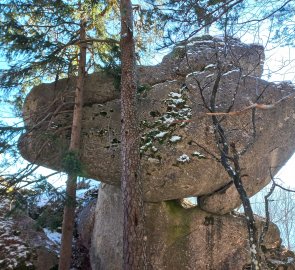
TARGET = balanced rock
(179,156)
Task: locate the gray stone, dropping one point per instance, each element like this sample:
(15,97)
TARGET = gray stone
(176,238)
(179,153)
(107,237)
(85,221)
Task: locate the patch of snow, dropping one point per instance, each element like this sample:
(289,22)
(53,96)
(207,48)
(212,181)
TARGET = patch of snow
(4,203)
(276,262)
(43,199)
(175,138)
(183,158)
(155,149)
(182,89)
(53,236)
(145,146)
(172,105)
(166,83)
(195,73)
(231,71)
(13,246)
(178,101)
(168,119)
(81,192)
(198,154)
(171,81)
(175,95)
(153,160)
(200,42)
(161,134)
(210,66)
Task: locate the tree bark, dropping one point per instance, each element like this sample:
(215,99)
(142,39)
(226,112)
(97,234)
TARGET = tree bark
(70,205)
(131,185)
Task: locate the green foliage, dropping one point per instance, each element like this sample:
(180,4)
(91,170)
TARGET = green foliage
(39,42)
(111,64)
(71,163)
(142,89)
(23,202)
(51,217)
(8,136)
(283,24)
(39,38)
(174,207)
(29,38)
(180,20)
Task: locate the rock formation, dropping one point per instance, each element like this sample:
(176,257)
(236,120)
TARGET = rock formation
(179,153)
(180,238)
(22,246)
(178,146)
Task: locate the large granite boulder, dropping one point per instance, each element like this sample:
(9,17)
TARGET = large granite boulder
(179,238)
(179,153)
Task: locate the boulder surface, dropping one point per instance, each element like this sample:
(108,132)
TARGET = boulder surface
(179,156)
(179,238)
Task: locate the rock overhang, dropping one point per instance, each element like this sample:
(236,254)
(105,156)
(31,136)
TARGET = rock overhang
(178,148)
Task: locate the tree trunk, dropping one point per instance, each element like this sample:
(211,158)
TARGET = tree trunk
(70,205)
(131,185)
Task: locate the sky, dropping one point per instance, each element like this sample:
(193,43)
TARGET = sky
(279,66)
(282,61)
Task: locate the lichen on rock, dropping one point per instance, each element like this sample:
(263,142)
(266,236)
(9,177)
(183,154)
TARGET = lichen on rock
(173,106)
(179,156)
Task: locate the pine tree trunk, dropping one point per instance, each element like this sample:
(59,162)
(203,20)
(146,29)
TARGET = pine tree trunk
(70,205)
(131,185)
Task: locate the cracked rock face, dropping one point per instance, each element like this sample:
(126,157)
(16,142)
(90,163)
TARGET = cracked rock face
(178,144)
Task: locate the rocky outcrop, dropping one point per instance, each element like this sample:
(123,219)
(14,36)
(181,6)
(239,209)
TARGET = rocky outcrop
(22,246)
(179,238)
(179,153)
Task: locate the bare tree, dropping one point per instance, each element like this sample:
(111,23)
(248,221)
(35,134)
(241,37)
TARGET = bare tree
(277,204)
(229,159)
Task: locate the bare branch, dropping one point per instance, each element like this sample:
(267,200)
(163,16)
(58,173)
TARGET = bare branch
(252,106)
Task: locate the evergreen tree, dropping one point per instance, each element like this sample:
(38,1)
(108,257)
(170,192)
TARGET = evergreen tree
(40,42)
(131,182)
(70,206)
(181,20)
